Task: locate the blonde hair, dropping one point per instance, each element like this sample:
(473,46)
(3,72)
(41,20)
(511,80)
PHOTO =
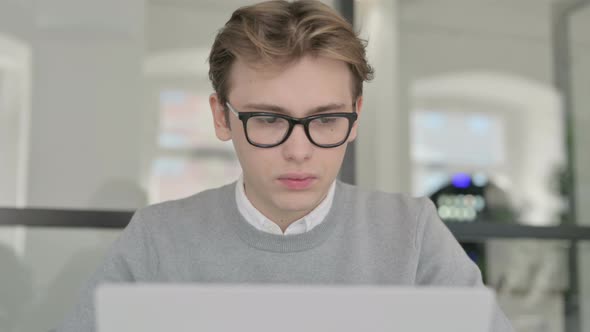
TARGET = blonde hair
(275,32)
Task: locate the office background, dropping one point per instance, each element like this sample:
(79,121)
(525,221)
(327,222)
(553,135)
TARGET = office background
(482,105)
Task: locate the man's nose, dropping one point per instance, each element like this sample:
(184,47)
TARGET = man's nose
(297,147)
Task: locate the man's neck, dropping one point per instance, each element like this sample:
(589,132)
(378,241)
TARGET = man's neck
(284,221)
(282,218)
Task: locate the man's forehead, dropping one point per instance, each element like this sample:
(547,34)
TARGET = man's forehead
(307,71)
(260,67)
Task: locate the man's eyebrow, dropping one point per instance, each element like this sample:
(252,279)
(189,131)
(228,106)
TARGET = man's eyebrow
(279,109)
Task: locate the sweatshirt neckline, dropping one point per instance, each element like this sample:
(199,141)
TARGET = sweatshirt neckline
(278,242)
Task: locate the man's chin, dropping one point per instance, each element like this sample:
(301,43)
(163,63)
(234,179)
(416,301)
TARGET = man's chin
(297,206)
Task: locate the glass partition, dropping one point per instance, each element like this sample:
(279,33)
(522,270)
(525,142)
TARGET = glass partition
(43,269)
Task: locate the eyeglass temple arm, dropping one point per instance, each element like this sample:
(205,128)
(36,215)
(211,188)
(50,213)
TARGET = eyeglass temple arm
(232,109)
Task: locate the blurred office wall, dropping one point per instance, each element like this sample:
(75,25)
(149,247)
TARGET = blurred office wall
(77,123)
(495,79)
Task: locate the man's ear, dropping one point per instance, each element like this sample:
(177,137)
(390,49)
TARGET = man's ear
(222,128)
(359,109)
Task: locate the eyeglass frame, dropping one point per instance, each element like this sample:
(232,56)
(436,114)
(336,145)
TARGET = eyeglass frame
(245,116)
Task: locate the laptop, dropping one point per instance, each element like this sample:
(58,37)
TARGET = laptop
(255,308)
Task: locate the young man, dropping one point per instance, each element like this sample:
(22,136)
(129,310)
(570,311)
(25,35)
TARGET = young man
(288,93)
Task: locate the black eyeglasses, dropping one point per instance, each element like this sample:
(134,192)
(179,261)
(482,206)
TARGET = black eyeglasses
(267,130)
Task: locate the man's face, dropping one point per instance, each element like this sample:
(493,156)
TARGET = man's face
(287,181)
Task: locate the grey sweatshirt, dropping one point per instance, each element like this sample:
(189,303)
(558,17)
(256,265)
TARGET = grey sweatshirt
(367,238)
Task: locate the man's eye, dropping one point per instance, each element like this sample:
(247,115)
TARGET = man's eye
(327,120)
(267,119)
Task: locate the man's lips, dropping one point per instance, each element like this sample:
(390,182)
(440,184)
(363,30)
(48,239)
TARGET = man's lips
(297,181)
(297,176)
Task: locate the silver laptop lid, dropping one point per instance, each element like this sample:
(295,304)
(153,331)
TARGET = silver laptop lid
(223,308)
